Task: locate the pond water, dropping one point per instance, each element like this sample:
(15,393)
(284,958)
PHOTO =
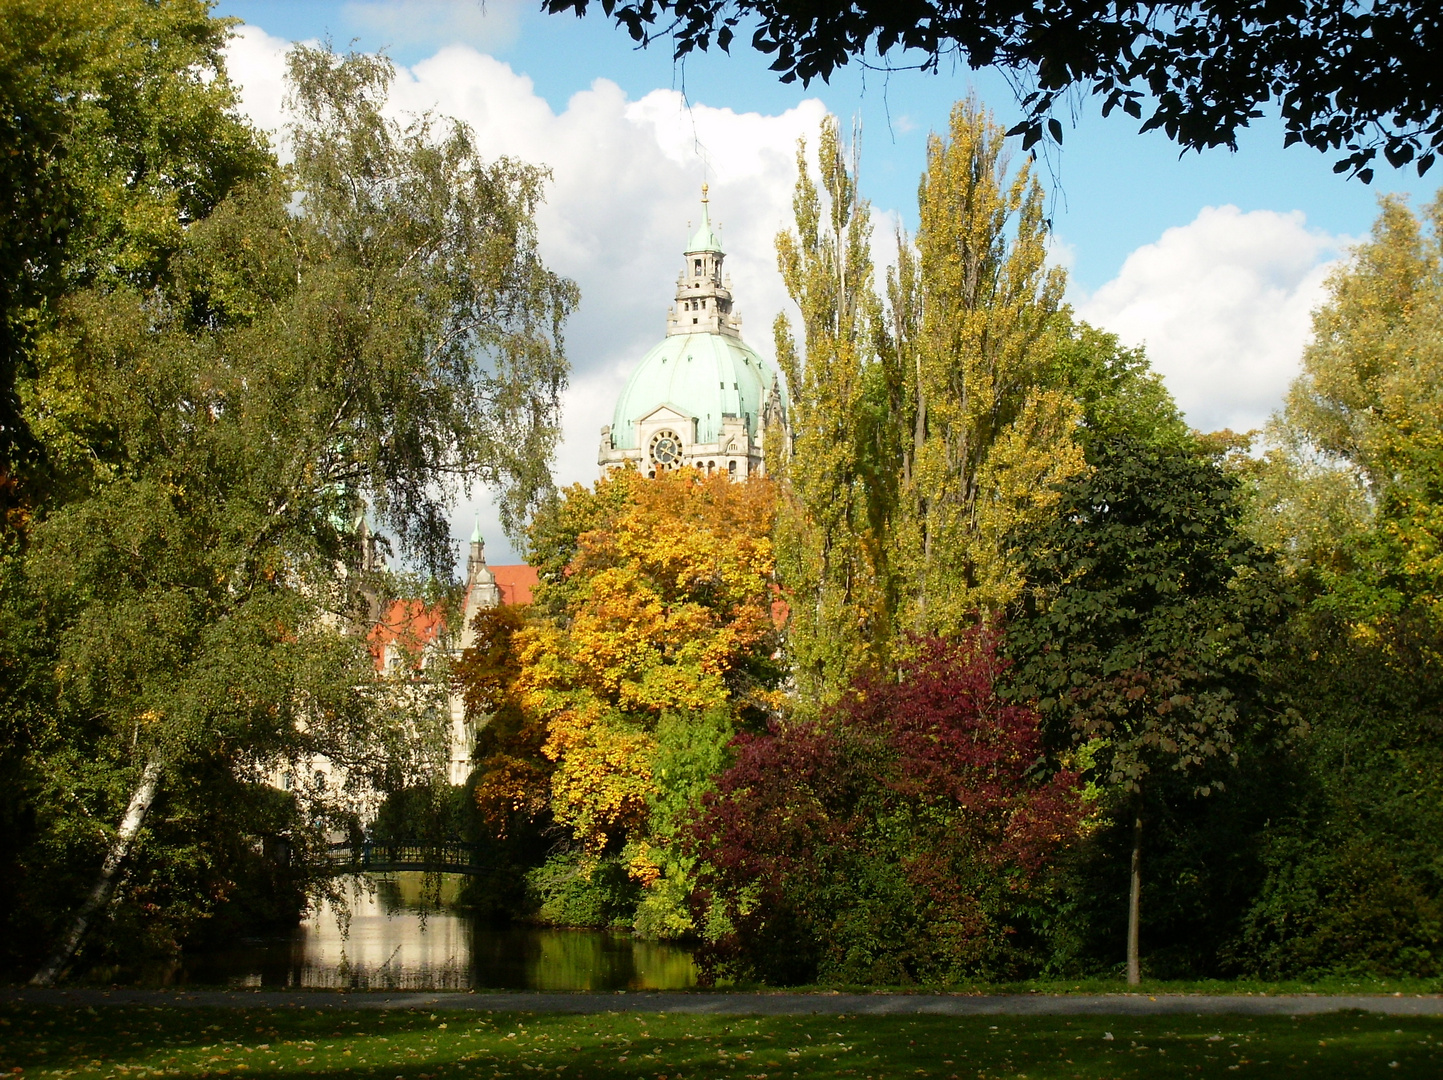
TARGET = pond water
(394,943)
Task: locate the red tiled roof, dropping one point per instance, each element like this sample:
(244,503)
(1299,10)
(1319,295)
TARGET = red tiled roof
(515,583)
(413,625)
(408,622)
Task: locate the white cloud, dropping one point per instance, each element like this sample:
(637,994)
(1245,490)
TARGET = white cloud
(256,63)
(626,178)
(1223,305)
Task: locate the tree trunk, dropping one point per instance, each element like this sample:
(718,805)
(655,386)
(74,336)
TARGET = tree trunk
(140,801)
(1134,897)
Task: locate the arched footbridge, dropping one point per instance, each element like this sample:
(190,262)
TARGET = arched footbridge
(383,857)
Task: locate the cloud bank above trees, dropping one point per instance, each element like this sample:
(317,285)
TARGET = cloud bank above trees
(1222,303)
(1224,306)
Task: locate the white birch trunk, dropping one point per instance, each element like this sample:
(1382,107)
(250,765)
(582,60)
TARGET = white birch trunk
(140,801)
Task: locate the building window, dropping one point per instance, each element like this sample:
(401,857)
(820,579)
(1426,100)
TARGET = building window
(697,262)
(731,468)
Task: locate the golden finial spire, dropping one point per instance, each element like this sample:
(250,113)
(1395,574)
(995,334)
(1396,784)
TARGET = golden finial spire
(703,193)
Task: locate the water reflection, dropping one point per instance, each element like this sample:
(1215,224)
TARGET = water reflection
(392,944)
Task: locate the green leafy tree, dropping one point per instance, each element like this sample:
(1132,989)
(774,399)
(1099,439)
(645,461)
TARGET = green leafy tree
(1143,630)
(217,434)
(1353,484)
(829,544)
(119,129)
(1350,496)
(1116,390)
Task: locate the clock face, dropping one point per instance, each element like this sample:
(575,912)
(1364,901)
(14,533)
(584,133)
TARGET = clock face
(666,450)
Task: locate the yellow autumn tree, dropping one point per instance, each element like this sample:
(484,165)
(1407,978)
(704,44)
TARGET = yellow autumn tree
(986,431)
(653,636)
(924,429)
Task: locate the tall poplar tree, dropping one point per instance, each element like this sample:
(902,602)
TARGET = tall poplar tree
(985,428)
(828,546)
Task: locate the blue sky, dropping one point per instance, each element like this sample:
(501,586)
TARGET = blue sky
(1212,260)
(1117,189)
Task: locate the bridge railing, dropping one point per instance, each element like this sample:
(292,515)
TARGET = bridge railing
(446,857)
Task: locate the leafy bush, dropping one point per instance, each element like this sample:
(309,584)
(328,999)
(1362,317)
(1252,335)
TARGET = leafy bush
(1352,879)
(903,838)
(572,890)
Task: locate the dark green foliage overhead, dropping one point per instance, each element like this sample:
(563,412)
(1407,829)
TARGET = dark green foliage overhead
(1350,77)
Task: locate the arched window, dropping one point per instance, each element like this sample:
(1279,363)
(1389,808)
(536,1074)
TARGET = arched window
(731,468)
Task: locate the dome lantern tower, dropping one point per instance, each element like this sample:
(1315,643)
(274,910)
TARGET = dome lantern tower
(703,296)
(702,396)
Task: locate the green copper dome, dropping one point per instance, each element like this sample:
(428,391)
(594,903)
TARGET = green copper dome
(707,376)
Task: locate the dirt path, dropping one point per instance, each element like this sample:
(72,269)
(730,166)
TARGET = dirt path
(773,1004)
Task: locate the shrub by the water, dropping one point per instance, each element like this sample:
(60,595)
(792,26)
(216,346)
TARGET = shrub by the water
(572,890)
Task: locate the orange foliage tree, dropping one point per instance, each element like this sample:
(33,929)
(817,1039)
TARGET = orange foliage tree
(652,638)
(513,777)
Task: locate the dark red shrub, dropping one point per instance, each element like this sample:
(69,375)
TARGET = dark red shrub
(903,838)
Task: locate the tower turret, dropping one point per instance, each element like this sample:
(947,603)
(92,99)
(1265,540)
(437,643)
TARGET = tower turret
(703,296)
(481,589)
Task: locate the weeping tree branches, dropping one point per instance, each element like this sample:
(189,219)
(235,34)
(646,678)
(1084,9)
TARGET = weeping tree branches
(354,337)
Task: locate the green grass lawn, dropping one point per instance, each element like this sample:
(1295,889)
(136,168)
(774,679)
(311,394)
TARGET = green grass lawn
(1333,984)
(125,1043)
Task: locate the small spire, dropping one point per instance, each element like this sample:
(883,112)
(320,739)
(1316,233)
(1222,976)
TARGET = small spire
(705,238)
(476,532)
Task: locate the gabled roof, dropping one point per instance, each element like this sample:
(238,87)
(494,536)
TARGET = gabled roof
(409,624)
(515,582)
(666,407)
